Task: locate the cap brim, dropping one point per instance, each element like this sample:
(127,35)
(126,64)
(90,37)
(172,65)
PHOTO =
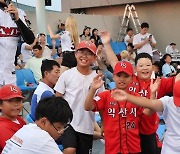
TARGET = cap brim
(87,48)
(176,101)
(10,97)
(127,72)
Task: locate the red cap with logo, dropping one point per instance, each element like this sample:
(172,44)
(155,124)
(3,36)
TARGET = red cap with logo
(176,93)
(10,91)
(87,45)
(123,66)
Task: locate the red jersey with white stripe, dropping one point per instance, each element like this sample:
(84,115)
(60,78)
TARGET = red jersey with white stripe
(149,124)
(9,36)
(121,124)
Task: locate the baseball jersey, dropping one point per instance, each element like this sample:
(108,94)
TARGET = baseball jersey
(66,43)
(149,124)
(75,87)
(121,124)
(42,91)
(9,36)
(8,128)
(171,115)
(145,48)
(31,139)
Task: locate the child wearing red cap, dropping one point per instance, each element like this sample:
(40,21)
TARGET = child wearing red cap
(11,106)
(170,109)
(141,85)
(73,85)
(120,119)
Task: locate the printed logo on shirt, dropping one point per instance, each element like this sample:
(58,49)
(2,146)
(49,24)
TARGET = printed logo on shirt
(112,103)
(9,32)
(143,92)
(122,112)
(130,125)
(16,140)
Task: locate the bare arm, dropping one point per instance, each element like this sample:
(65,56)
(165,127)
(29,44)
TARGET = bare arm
(153,87)
(111,57)
(52,35)
(58,94)
(121,95)
(97,83)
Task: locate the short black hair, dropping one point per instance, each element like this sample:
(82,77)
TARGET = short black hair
(129,30)
(131,45)
(47,65)
(55,109)
(41,34)
(144,25)
(37,46)
(142,55)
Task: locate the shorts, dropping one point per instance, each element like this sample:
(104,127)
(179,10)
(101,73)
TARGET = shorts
(149,144)
(69,59)
(82,142)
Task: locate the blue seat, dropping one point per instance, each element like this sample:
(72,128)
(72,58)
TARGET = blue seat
(160,131)
(118,47)
(25,80)
(111,85)
(29,119)
(58,43)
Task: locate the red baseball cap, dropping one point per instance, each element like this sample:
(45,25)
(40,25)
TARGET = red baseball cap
(10,91)
(176,93)
(87,45)
(123,66)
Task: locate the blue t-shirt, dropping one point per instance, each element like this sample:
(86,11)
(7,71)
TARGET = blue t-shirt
(167,69)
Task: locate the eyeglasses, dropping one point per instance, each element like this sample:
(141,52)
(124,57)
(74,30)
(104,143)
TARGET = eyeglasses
(87,53)
(60,131)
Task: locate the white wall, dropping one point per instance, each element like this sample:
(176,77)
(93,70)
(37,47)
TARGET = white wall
(56,4)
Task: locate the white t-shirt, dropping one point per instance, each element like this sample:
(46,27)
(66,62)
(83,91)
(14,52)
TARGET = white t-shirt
(171,115)
(147,47)
(66,43)
(47,53)
(75,87)
(26,54)
(127,37)
(31,139)
(170,50)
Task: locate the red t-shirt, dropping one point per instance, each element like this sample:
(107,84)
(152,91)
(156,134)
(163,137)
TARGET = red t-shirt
(121,124)
(149,124)
(8,128)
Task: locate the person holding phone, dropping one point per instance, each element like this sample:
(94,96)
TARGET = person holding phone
(144,42)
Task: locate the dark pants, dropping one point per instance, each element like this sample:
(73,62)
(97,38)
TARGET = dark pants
(149,144)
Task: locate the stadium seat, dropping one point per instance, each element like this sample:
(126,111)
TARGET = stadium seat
(160,131)
(29,119)
(118,47)
(25,80)
(111,85)
(58,43)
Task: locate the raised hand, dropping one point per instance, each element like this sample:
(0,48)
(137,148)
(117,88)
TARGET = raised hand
(12,9)
(105,37)
(119,95)
(154,86)
(97,81)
